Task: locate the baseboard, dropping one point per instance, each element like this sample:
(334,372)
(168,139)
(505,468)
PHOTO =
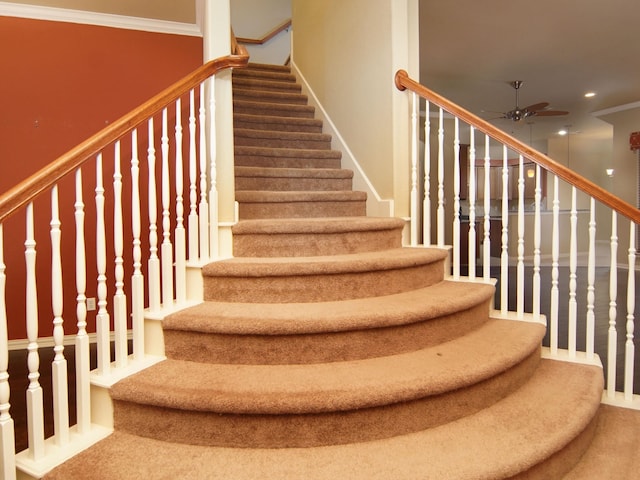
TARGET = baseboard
(35,12)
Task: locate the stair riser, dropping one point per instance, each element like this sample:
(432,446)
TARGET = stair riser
(296,184)
(266,96)
(265,85)
(313,244)
(321,347)
(285,162)
(273,109)
(319,287)
(318,429)
(269,75)
(246,141)
(290,126)
(312,209)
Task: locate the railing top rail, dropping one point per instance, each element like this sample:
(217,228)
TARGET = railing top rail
(45,178)
(403,82)
(261,41)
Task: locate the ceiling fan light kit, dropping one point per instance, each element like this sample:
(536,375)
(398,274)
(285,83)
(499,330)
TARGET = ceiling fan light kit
(537,109)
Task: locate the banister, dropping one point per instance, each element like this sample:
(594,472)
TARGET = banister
(27,190)
(260,41)
(403,82)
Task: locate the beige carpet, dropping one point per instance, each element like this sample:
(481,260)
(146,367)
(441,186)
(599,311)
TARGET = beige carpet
(325,350)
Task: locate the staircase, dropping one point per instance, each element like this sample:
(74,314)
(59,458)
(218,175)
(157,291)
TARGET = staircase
(325,349)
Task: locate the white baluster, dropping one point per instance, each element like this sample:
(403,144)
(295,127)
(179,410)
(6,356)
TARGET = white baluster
(102,318)
(426,200)
(520,265)
(59,366)
(83,367)
(486,241)
(204,203)
(166,248)
(119,299)
(440,213)
(414,170)
(456,200)
(213,173)
(591,281)
(153,262)
(555,253)
(504,254)
(137,279)
(472,204)
(181,253)
(7,430)
(573,264)
(193,190)
(612,350)
(537,227)
(35,408)
(629,350)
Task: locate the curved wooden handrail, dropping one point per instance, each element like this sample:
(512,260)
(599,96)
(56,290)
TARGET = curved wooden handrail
(403,82)
(45,178)
(286,24)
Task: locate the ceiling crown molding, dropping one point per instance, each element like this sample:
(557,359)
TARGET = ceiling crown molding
(8,9)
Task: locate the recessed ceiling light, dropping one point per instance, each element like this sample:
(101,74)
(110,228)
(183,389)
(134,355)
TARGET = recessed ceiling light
(590,94)
(562,132)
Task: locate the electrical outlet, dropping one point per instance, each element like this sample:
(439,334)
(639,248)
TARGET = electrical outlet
(91,304)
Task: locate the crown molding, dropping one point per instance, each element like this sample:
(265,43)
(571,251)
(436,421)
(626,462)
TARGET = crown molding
(619,108)
(19,10)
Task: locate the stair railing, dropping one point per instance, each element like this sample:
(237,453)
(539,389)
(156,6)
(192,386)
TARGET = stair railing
(150,225)
(470,229)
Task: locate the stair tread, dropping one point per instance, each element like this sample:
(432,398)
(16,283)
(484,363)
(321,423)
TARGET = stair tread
(287,152)
(313,388)
(277,119)
(324,264)
(269,196)
(317,225)
(564,397)
(268,96)
(336,316)
(271,134)
(278,172)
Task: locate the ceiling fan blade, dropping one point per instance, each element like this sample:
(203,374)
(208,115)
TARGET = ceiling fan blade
(550,113)
(536,106)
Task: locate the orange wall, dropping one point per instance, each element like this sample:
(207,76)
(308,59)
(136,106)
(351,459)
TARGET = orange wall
(59,84)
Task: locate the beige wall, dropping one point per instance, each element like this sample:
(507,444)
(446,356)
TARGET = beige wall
(349,51)
(172,10)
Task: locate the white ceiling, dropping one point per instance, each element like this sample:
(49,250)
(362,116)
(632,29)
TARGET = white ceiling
(471,49)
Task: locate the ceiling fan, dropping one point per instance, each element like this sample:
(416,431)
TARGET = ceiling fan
(537,109)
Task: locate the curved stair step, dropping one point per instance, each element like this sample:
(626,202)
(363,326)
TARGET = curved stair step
(322,278)
(301,204)
(296,179)
(286,158)
(277,123)
(309,405)
(276,139)
(222,332)
(301,237)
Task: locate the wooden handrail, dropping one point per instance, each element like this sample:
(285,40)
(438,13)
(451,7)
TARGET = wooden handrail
(45,178)
(403,82)
(286,24)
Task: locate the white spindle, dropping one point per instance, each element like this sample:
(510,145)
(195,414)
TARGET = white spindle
(119,298)
(414,171)
(180,237)
(167,247)
(555,253)
(573,264)
(426,200)
(7,445)
(59,366)
(83,367)
(504,253)
(486,241)
(629,350)
(612,334)
(213,173)
(204,203)
(472,204)
(537,227)
(153,262)
(35,406)
(591,281)
(137,279)
(456,200)
(440,213)
(102,318)
(193,190)
(520,265)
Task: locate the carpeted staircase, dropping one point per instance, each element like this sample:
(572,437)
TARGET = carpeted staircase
(326,350)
